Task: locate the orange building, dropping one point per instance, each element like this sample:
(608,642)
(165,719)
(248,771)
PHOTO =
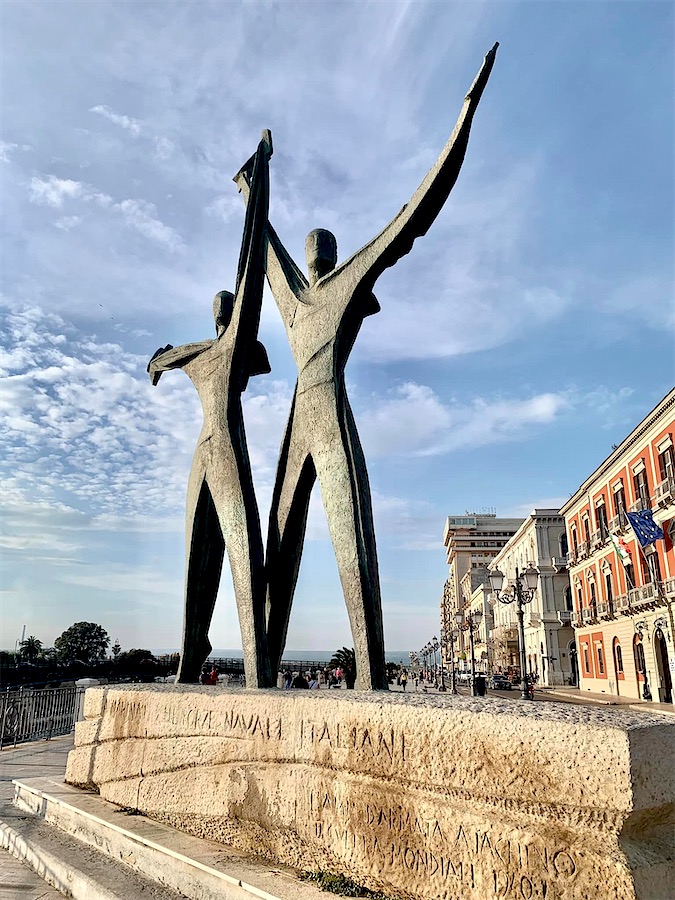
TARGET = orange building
(624,592)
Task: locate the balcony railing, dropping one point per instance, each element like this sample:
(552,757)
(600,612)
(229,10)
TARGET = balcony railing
(639,504)
(571,557)
(669,588)
(29,714)
(587,615)
(596,539)
(645,595)
(574,620)
(559,562)
(621,603)
(583,549)
(664,492)
(602,610)
(565,616)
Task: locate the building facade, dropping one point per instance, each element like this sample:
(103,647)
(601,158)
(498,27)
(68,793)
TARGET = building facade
(471,542)
(623,592)
(540,542)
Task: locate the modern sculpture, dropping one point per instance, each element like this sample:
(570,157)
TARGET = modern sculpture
(322,315)
(222,512)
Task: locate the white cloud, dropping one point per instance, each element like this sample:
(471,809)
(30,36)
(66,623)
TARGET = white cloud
(126,122)
(53,191)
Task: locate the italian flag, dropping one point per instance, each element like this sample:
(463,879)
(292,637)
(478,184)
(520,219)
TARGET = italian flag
(621,548)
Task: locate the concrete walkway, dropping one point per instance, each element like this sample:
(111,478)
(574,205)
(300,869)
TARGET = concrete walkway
(42,758)
(571,694)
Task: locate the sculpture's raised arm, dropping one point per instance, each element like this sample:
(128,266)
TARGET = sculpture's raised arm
(417,216)
(285,278)
(169,357)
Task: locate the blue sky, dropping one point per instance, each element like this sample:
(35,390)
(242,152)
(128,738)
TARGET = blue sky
(526,333)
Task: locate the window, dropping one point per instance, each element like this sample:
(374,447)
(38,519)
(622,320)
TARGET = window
(641,488)
(580,599)
(563,544)
(666,464)
(640,658)
(601,520)
(587,529)
(601,659)
(619,658)
(575,541)
(568,598)
(587,660)
(620,505)
(608,586)
(594,599)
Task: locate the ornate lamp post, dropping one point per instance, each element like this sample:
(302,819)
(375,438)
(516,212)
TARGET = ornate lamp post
(521,591)
(442,686)
(640,628)
(435,647)
(472,624)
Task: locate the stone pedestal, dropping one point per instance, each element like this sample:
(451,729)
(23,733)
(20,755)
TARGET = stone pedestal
(419,796)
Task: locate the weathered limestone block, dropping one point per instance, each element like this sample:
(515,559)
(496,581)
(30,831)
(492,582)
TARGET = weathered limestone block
(421,797)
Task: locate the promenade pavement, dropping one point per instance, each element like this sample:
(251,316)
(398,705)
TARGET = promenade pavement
(37,759)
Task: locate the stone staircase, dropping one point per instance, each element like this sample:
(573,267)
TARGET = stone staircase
(90,849)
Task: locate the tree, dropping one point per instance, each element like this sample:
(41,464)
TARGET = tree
(84,641)
(30,649)
(346,660)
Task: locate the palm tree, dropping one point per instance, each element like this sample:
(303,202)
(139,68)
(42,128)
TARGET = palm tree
(346,660)
(31,648)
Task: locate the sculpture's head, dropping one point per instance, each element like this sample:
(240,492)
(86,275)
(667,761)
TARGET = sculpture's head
(223,305)
(321,253)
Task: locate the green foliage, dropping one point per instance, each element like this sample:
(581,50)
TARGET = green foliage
(84,641)
(344,658)
(30,649)
(342,886)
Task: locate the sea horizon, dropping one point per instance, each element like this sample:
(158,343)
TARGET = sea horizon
(394,656)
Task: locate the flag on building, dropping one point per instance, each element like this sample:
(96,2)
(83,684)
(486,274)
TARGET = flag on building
(645,528)
(622,549)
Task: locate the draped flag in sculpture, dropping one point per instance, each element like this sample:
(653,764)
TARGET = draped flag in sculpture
(645,528)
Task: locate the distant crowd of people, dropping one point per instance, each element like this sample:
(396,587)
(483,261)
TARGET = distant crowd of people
(328,678)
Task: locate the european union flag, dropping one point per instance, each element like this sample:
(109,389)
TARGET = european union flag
(645,528)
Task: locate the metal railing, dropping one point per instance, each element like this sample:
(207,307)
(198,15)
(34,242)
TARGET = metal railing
(28,714)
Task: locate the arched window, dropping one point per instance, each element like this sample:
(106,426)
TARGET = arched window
(619,658)
(568,598)
(563,544)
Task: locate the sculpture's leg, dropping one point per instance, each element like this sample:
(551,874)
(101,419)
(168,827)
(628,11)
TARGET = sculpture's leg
(237,509)
(286,534)
(204,551)
(341,470)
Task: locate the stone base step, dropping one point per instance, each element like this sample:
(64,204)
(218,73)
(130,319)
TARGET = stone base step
(70,833)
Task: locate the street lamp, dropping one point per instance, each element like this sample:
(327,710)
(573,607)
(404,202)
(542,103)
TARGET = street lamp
(521,591)
(435,647)
(449,635)
(472,624)
(641,627)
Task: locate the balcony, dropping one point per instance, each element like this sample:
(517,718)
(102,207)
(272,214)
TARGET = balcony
(597,539)
(639,504)
(587,615)
(583,549)
(664,492)
(645,595)
(574,620)
(606,610)
(669,588)
(618,523)
(565,617)
(559,562)
(571,557)
(622,604)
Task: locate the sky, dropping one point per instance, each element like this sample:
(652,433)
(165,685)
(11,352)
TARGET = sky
(526,333)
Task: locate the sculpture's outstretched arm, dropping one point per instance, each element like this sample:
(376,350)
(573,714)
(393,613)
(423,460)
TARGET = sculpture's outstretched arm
(174,358)
(286,280)
(417,216)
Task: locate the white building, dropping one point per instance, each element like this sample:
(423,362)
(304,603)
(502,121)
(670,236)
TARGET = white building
(540,542)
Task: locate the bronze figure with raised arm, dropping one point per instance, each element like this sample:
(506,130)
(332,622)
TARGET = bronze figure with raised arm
(322,316)
(221,510)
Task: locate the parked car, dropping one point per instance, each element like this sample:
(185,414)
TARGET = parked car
(500,683)
(464,677)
